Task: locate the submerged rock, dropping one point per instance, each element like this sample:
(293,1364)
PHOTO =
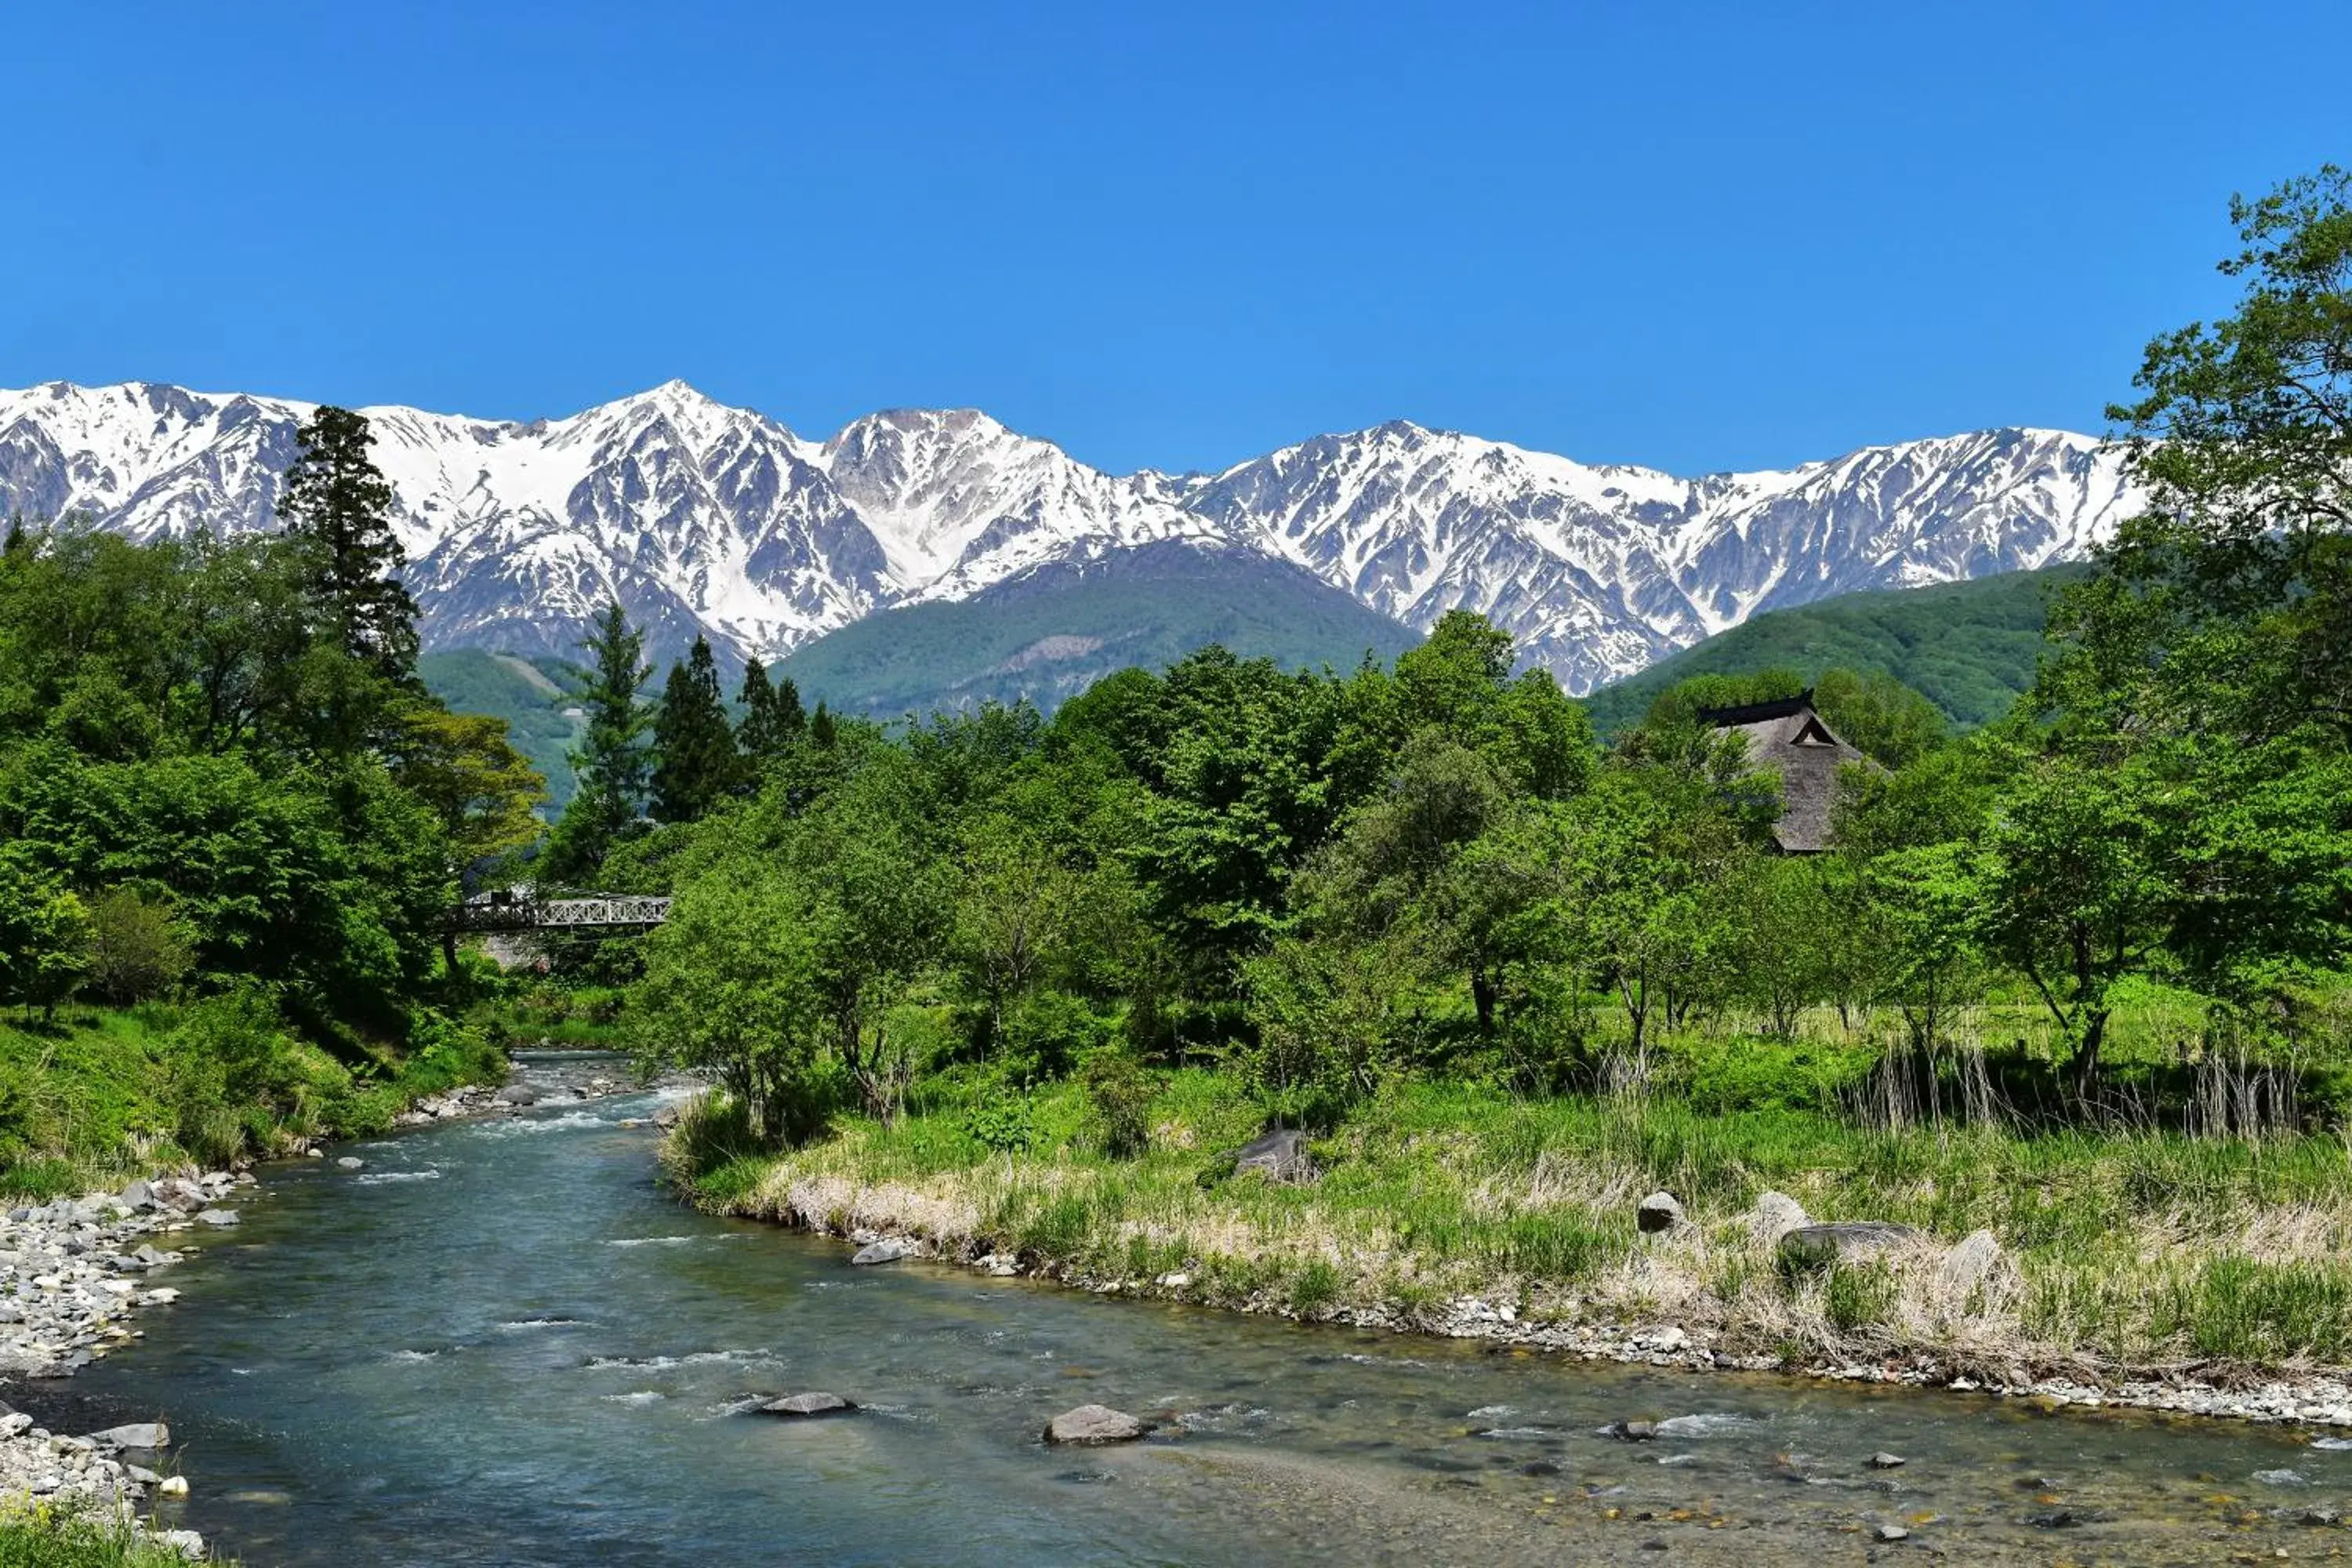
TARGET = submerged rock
(217,1216)
(809,1404)
(1658,1212)
(1094,1426)
(1844,1241)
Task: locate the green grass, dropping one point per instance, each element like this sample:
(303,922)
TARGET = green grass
(48,1538)
(94,1096)
(2132,1249)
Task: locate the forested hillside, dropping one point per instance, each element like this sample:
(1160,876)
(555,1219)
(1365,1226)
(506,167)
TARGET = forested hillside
(1969,648)
(1050,633)
(536,699)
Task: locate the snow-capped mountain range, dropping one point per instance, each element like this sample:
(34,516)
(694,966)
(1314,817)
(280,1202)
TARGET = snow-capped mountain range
(701,517)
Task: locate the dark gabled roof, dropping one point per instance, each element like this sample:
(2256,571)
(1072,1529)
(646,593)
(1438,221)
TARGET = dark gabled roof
(1757,712)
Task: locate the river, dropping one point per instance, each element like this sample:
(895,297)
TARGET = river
(500,1342)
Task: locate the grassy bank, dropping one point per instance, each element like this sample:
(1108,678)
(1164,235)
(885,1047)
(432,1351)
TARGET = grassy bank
(45,1538)
(90,1097)
(2120,1252)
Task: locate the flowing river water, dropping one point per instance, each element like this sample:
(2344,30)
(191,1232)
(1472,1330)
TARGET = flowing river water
(501,1342)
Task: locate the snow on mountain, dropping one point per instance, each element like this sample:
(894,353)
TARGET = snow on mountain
(704,518)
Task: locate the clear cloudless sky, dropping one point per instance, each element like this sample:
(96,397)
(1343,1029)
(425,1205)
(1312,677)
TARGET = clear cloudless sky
(1695,236)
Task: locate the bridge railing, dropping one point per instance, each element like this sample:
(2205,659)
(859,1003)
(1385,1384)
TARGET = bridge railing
(601,911)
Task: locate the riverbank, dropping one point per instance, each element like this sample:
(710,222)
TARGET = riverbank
(2197,1276)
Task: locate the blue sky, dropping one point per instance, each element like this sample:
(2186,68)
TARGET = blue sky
(1698,236)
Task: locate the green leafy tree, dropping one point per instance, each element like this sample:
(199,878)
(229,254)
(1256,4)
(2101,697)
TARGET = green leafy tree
(732,988)
(138,948)
(44,937)
(2240,575)
(696,764)
(336,501)
(612,765)
(1885,720)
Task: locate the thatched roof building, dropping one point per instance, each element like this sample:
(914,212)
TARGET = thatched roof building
(1786,734)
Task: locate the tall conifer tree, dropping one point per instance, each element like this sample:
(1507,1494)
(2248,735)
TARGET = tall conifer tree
(340,502)
(610,762)
(695,763)
(755,733)
(791,722)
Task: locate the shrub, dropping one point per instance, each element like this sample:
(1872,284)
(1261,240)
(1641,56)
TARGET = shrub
(1118,1096)
(1002,1123)
(1046,1032)
(138,948)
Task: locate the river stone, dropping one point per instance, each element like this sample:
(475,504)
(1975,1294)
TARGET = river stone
(1892,1532)
(1281,1154)
(137,1435)
(1659,1211)
(1632,1431)
(217,1216)
(519,1094)
(813,1404)
(1093,1426)
(350,1163)
(889,1249)
(1886,1461)
(138,1196)
(1778,1214)
(1844,1241)
(1967,1267)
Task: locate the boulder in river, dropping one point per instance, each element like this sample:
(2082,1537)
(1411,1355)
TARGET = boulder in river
(1846,1241)
(1658,1212)
(1882,1460)
(809,1404)
(889,1249)
(1632,1431)
(217,1216)
(1093,1426)
(518,1094)
(137,1435)
(350,1163)
(1281,1154)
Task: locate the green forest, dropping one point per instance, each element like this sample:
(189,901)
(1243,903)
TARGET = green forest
(2074,974)
(232,825)
(1971,648)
